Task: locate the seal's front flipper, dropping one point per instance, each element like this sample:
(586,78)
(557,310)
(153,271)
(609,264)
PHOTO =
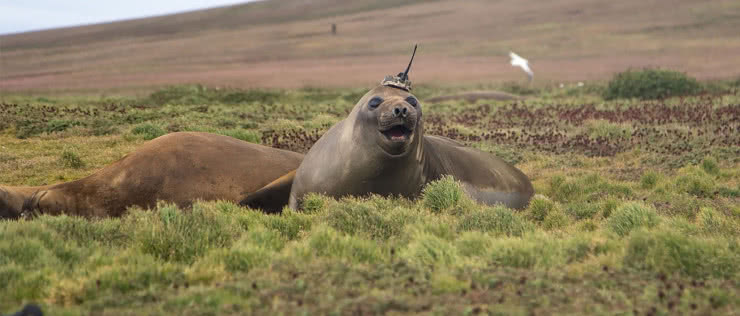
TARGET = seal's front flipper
(272,197)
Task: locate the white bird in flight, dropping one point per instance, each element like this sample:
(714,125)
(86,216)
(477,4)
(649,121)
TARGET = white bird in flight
(517,60)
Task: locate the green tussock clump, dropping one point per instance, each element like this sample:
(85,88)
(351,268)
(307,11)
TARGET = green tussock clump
(102,127)
(256,248)
(314,203)
(238,133)
(539,251)
(585,188)
(290,223)
(327,242)
(607,130)
(582,210)
(172,235)
(631,216)
(714,222)
(497,220)
(556,220)
(539,208)
(199,94)
(696,181)
(426,249)
(649,180)
(650,84)
(70,159)
(670,252)
(709,165)
(242,134)
(358,217)
(445,195)
(147,131)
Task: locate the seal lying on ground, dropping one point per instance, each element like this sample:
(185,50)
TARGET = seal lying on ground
(177,168)
(381,148)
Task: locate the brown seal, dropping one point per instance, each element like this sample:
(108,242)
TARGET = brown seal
(177,168)
(381,148)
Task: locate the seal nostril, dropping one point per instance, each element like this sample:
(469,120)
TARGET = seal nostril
(405,110)
(396,111)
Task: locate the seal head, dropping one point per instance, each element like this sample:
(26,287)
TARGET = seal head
(395,117)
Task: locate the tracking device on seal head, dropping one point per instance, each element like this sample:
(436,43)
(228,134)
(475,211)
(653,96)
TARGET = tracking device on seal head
(400,81)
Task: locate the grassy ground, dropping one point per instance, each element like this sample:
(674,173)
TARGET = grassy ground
(637,212)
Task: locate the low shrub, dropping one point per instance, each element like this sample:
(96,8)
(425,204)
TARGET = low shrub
(650,84)
(70,159)
(147,131)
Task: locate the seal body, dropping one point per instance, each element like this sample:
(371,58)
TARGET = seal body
(381,148)
(178,168)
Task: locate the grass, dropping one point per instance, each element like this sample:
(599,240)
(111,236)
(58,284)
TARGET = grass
(646,223)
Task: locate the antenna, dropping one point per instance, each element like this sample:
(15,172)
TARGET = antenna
(400,81)
(406,73)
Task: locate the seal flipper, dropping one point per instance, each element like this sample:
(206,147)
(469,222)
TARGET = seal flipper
(272,197)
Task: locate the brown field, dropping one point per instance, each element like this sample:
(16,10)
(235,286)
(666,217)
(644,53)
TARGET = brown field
(287,44)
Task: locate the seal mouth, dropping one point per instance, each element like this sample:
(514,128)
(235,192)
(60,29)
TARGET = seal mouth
(397,133)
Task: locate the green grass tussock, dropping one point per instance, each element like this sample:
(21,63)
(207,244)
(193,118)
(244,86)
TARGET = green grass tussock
(198,94)
(357,217)
(670,252)
(70,159)
(713,222)
(173,236)
(650,84)
(147,131)
(696,181)
(445,195)
(497,220)
(603,129)
(539,251)
(631,216)
(429,250)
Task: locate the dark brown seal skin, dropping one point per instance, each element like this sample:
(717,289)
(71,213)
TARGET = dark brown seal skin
(381,148)
(178,168)
(273,197)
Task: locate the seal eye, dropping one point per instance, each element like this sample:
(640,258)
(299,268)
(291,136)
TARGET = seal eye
(412,101)
(374,102)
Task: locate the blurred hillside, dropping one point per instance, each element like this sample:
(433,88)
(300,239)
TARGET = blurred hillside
(288,44)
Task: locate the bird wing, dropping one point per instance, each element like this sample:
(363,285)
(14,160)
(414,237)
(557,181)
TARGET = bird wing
(517,60)
(527,70)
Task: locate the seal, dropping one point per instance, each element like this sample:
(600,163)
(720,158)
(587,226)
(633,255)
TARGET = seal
(381,148)
(178,168)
